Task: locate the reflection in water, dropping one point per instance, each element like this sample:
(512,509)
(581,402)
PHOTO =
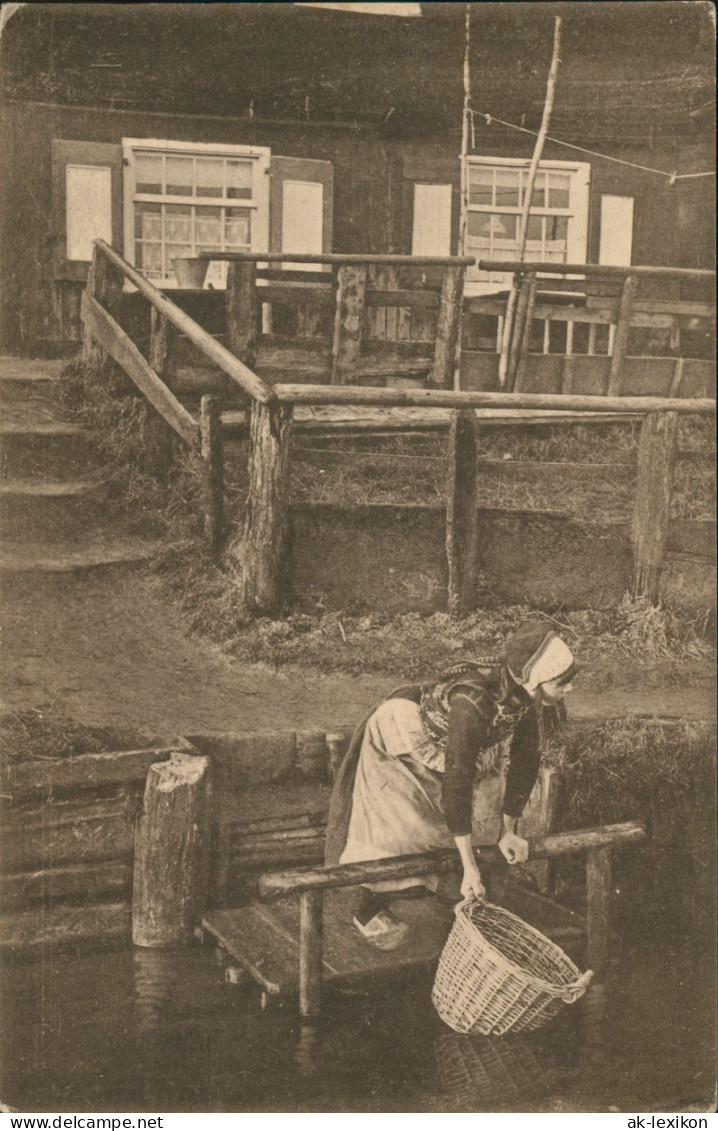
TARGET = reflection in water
(151,1030)
(485,1072)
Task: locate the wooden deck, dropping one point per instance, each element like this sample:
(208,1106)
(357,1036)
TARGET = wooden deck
(263,937)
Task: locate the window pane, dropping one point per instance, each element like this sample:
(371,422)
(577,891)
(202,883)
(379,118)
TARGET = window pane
(148,258)
(210,176)
(208,227)
(479,223)
(558,190)
(178,223)
(148,172)
(236,227)
(148,221)
(178,176)
(505,227)
(177,250)
(507,187)
(239,180)
(538,196)
(556,236)
(534,228)
(481,186)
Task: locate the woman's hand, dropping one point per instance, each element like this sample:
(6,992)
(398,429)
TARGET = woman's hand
(513,848)
(472,886)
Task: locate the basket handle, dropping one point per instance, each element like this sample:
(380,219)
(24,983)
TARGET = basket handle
(572,993)
(461,907)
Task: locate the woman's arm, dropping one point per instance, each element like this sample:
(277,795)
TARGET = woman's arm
(471,886)
(524,763)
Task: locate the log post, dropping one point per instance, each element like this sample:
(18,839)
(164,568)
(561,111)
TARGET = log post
(620,340)
(157,435)
(348,321)
(212,452)
(517,330)
(598,906)
(171,871)
(448,327)
(567,374)
(264,545)
(462,536)
(651,514)
(506,330)
(310,952)
(242,308)
(108,283)
(517,378)
(93,355)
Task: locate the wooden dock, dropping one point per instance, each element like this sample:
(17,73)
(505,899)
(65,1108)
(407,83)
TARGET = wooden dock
(263,938)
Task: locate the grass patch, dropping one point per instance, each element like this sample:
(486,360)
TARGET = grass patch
(42,733)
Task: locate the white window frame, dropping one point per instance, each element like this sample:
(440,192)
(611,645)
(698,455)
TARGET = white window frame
(481,282)
(258,204)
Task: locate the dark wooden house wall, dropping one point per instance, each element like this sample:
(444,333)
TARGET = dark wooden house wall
(378,98)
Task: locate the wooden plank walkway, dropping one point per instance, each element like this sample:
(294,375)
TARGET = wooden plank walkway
(263,937)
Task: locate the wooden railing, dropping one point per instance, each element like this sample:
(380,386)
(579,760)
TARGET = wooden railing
(262,548)
(596,295)
(310,885)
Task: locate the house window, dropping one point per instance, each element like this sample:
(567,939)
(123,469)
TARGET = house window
(557,223)
(182,199)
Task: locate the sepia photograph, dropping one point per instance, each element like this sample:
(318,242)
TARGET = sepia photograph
(357,551)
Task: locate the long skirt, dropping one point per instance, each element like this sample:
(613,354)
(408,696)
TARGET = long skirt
(396,802)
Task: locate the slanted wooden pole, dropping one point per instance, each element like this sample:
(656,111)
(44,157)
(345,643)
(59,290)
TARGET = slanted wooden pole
(598,906)
(157,435)
(462,536)
(171,872)
(517,335)
(264,546)
(109,281)
(310,952)
(620,339)
(212,452)
(448,325)
(348,322)
(242,308)
(651,513)
(519,374)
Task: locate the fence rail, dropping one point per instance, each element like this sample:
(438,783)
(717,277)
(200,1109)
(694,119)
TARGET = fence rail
(262,548)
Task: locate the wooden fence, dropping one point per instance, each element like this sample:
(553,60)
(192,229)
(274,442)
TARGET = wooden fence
(262,547)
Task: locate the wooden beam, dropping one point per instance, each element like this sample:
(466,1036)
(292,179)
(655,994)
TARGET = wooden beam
(248,381)
(310,953)
(592,270)
(47,885)
(212,452)
(337,259)
(123,350)
(462,536)
(652,507)
(598,906)
(82,771)
(448,326)
(446,398)
(415,300)
(263,548)
(348,321)
(171,868)
(66,832)
(242,306)
(445,860)
(73,923)
(620,341)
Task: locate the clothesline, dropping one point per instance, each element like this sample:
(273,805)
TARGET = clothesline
(672,177)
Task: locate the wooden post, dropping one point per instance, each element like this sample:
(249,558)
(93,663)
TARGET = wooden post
(157,435)
(522,358)
(462,536)
(448,326)
(598,906)
(242,311)
(620,340)
(171,872)
(517,334)
(108,283)
(93,355)
(264,546)
(567,374)
(506,330)
(677,377)
(310,952)
(348,322)
(651,514)
(212,452)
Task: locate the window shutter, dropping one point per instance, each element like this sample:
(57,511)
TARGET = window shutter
(86,203)
(300,205)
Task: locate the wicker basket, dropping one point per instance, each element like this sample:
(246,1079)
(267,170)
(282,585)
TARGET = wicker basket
(497,973)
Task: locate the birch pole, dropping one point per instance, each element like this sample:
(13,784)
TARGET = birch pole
(526,209)
(464,167)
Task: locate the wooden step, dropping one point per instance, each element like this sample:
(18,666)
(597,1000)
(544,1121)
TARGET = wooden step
(28,557)
(45,507)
